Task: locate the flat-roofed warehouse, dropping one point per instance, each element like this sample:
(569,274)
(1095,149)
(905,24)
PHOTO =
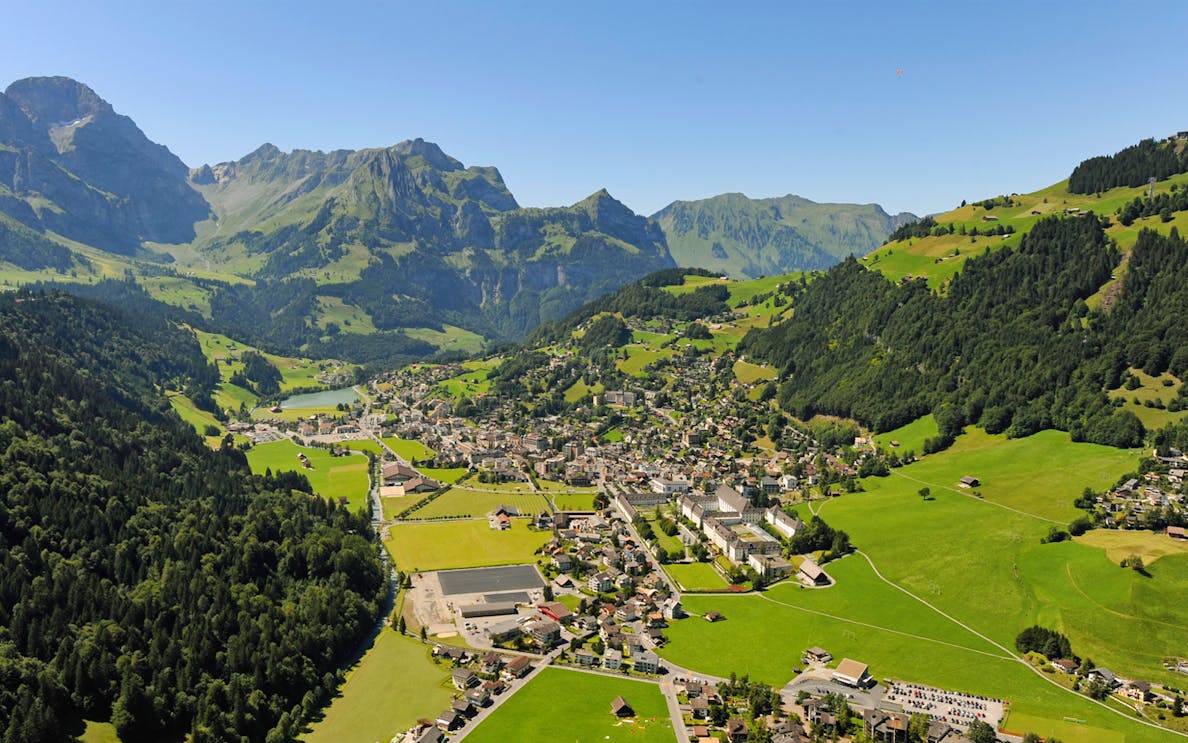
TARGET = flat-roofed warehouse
(496,609)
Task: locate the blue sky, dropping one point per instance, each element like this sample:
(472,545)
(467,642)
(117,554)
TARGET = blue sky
(654,101)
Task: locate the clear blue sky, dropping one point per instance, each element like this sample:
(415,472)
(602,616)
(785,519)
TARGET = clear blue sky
(654,101)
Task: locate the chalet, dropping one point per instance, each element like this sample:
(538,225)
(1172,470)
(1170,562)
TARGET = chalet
(601,583)
(491,664)
(889,727)
(699,708)
(564,562)
(736,730)
(1139,691)
(429,735)
(496,687)
(464,678)
(852,673)
(620,708)
(1065,665)
(450,720)
(463,707)
(1176,532)
(1105,675)
(812,574)
(479,697)
(517,667)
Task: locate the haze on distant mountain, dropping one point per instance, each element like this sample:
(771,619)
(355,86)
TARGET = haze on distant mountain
(747,238)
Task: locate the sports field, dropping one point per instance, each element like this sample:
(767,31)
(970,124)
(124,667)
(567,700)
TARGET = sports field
(331,477)
(564,705)
(461,544)
(697,576)
(393,686)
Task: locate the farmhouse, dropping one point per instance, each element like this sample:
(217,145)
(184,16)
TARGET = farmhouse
(812,574)
(620,708)
(852,673)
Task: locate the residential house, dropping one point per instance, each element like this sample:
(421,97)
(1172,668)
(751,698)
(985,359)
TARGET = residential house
(646,662)
(464,678)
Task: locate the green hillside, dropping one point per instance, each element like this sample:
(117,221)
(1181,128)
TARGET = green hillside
(747,238)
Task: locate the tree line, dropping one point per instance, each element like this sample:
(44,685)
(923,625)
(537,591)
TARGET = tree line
(1129,167)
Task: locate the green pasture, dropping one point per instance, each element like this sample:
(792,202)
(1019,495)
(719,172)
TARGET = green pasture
(393,685)
(563,705)
(748,373)
(910,437)
(408,449)
(461,544)
(331,477)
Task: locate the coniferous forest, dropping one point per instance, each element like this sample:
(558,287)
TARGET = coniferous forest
(1010,344)
(143,576)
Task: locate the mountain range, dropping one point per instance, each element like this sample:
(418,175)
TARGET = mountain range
(367,253)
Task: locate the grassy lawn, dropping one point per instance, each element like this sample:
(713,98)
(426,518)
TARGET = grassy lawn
(331,477)
(461,544)
(569,705)
(697,576)
(395,684)
(100,732)
(462,502)
(1151,389)
(448,475)
(552,486)
(199,419)
(910,437)
(449,338)
(572,501)
(367,445)
(613,436)
(469,383)
(748,373)
(408,448)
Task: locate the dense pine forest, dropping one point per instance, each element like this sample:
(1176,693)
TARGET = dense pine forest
(1010,344)
(1130,167)
(145,578)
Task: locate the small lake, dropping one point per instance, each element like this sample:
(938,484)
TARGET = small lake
(327,398)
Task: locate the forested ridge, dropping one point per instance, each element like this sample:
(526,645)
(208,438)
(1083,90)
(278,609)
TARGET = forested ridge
(1010,345)
(144,578)
(1132,166)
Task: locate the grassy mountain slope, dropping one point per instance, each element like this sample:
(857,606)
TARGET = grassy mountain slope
(748,238)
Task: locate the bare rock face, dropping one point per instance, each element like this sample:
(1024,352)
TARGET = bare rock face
(105,182)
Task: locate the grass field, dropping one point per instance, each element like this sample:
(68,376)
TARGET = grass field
(1151,389)
(363,445)
(1040,475)
(100,732)
(1119,544)
(448,475)
(408,448)
(395,684)
(331,477)
(449,338)
(910,437)
(461,544)
(461,502)
(697,576)
(565,705)
(749,373)
(639,358)
(469,383)
(572,501)
(199,419)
